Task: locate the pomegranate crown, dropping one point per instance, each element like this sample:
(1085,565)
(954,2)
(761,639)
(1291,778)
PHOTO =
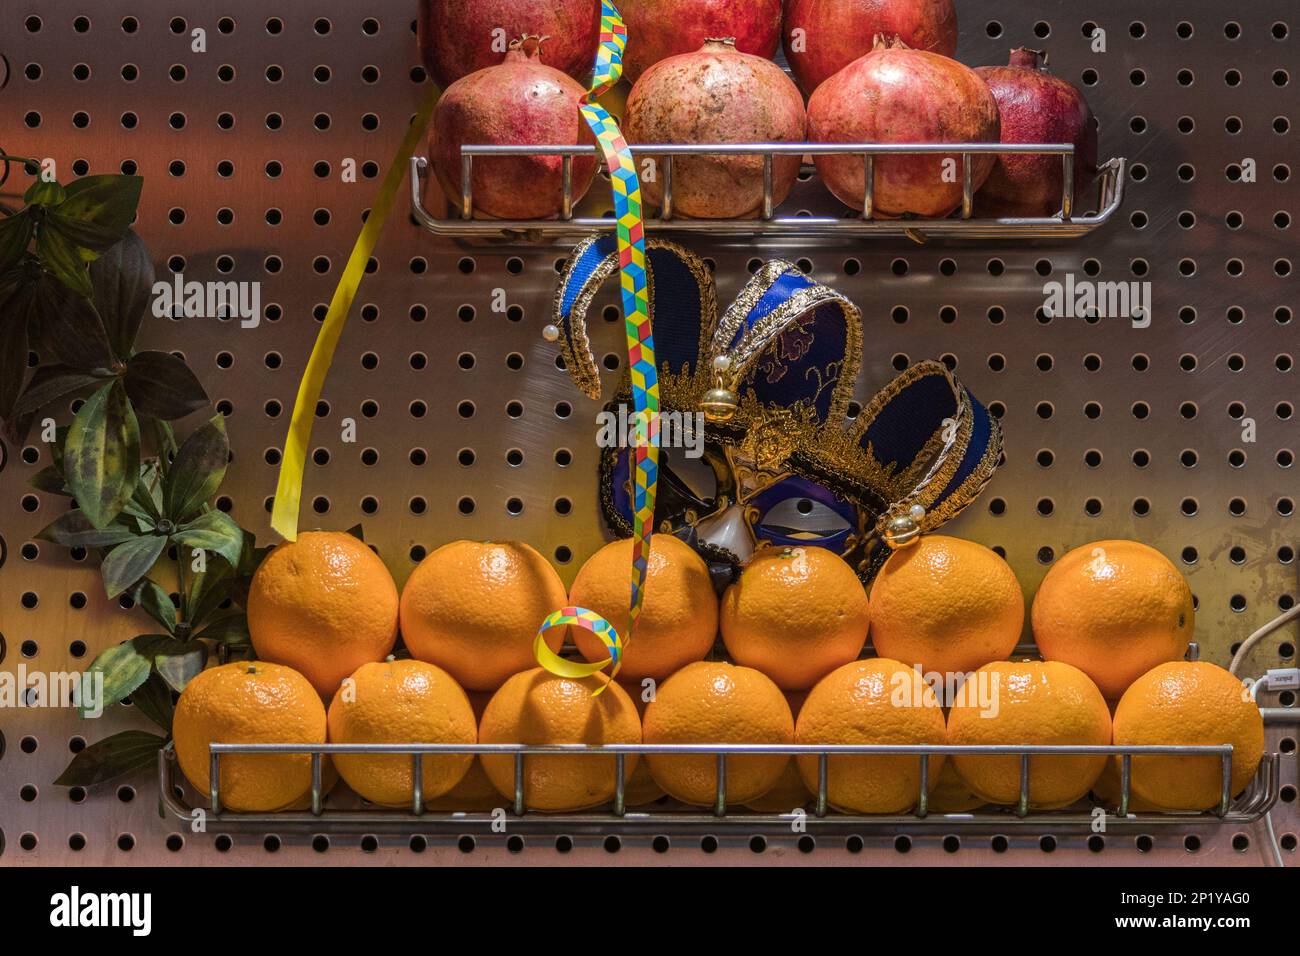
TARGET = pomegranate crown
(883,41)
(1029,59)
(529,45)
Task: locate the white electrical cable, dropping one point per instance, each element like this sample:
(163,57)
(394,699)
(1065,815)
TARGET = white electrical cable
(1272,839)
(1237,660)
(1284,618)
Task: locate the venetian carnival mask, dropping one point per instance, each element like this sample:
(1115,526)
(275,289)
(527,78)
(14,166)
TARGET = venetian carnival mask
(772,378)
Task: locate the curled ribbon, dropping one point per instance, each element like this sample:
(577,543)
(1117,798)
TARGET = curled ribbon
(588,621)
(640,349)
(288,489)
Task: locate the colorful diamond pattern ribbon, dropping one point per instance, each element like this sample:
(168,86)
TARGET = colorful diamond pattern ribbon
(640,341)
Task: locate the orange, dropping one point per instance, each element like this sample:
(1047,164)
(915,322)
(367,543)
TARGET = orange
(641,787)
(788,793)
(474,607)
(1030,702)
(323,605)
(1106,791)
(876,701)
(1113,609)
(950,793)
(678,623)
(249,702)
(716,702)
(796,614)
(946,604)
(537,707)
(1194,704)
(474,793)
(397,702)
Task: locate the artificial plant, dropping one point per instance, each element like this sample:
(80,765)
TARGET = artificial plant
(75,284)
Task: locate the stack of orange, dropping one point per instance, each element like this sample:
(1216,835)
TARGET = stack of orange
(1112,620)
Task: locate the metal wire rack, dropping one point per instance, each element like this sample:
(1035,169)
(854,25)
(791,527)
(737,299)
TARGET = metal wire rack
(1258,798)
(1064,225)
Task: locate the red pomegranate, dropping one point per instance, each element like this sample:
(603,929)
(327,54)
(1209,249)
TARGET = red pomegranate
(822,37)
(458,37)
(717,95)
(522,101)
(1036,107)
(898,95)
(658,29)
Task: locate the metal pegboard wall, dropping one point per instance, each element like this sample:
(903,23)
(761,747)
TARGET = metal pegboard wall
(466,428)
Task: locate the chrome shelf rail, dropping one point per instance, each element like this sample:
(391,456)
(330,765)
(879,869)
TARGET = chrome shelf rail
(1257,800)
(963,224)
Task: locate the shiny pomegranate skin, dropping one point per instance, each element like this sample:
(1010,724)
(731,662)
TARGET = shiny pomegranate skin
(519,102)
(658,29)
(1037,107)
(717,95)
(898,95)
(822,37)
(460,37)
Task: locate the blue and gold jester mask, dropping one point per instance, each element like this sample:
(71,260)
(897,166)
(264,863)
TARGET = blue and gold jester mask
(770,381)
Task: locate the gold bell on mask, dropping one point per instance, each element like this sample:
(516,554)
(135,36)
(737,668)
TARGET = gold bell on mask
(901,530)
(720,403)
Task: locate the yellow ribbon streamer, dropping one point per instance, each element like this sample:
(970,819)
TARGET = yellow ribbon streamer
(288,490)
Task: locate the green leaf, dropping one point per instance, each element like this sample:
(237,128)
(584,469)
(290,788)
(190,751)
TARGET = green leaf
(74,530)
(208,590)
(15,235)
(197,472)
(179,663)
(156,602)
(60,442)
(112,758)
(50,480)
(70,327)
(61,257)
(50,383)
(162,386)
(90,239)
(213,531)
(153,698)
(108,201)
(125,667)
(44,192)
(231,628)
(146,502)
(102,454)
(15,318)
(131,560)
(123,279)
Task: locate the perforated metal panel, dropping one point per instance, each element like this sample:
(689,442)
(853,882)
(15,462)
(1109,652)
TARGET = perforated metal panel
(466,428)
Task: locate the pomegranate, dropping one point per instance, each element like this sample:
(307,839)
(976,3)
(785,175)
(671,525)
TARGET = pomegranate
(717,95)
(658,29)
(459,37)
(898,95)
(822,37)
(1036,107)
(522,101)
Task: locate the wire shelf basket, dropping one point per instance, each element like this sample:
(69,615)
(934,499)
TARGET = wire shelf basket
(616,818)
(851,224)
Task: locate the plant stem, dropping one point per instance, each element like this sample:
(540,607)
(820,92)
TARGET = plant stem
(181,587)
(165,439)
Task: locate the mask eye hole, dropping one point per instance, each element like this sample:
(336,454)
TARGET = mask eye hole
(694,474)
(803,518)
